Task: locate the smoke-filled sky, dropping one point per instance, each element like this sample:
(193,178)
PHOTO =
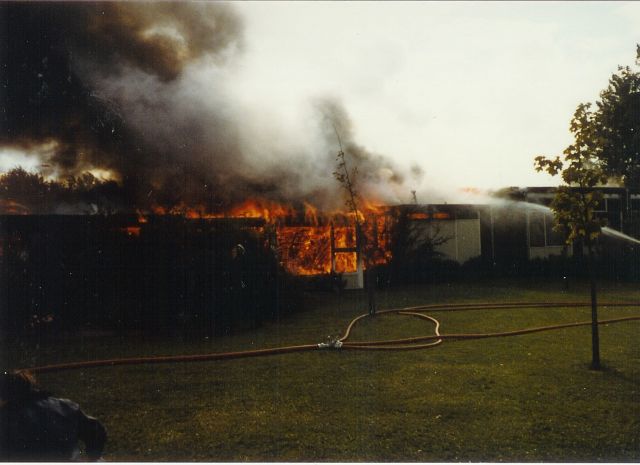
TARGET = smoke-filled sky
(219,101)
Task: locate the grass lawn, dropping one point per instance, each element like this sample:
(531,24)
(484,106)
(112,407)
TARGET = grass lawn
(524,398)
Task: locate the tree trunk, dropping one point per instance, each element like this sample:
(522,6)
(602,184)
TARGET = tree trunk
(370,284)
(595,337)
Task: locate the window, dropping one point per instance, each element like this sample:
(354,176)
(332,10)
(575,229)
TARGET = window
(536,230)
(541,233)
(613,205)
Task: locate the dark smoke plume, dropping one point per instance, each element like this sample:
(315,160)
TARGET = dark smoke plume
(56,53)
(140,89)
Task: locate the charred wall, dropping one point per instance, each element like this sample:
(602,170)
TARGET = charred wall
(167,275)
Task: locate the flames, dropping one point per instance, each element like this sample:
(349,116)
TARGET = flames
(308,242)
(305,250)
(270,211)
(132,230)
(312,250)
(429,215)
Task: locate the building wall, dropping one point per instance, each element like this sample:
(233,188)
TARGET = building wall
(620,206)
(461,237)
(353,280)
(542,239)
(547,251)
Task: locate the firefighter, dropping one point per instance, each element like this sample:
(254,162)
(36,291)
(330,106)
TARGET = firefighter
(35,426)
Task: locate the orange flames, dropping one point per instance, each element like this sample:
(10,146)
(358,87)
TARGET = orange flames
(132,230)
(426,216)
(308,242)
(346,262)
(305,250)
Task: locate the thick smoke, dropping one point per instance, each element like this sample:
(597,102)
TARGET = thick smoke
(376,176)
(142,90)
(57,56)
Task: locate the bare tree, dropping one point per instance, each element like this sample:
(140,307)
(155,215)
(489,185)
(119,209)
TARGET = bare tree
(347,178)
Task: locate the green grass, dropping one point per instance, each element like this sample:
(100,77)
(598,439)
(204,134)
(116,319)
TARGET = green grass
(525,398)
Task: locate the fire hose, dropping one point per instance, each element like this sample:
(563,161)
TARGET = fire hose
(410,343)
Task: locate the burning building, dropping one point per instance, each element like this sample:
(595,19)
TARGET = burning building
(110,98)
(306,242)
(142,142)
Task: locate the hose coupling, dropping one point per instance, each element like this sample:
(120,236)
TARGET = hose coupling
(333,342)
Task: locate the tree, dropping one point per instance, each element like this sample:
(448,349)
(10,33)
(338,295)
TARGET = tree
(28,189)
(348,180)
(31,192)
(615,123)
(582,169)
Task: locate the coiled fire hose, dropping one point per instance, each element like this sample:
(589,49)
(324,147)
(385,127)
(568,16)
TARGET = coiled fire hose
(410,343)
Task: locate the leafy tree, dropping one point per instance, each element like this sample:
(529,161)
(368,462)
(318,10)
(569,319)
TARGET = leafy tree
(615,123)
(35,194)
(29,189)
(582,169)
(607,145)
